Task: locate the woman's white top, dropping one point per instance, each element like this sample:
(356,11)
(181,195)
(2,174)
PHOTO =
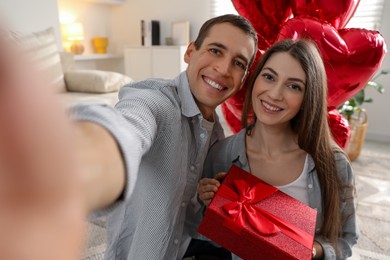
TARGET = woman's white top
(298,188)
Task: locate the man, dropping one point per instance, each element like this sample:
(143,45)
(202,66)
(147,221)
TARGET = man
(141,161)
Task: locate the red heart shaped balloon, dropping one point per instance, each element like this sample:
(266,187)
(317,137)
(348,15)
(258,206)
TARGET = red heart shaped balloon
(339,127)
(232,121)
(351,56)
(336,12)
(267,17)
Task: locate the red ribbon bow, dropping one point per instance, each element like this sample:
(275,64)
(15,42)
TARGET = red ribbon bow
(242,210)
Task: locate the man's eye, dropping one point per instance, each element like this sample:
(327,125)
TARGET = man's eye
(215,51)
(240,64)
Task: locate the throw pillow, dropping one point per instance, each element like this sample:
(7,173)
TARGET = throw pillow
(95,81)
(42,48)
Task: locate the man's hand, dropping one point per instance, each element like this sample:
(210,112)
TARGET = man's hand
(42,213)
(208,187)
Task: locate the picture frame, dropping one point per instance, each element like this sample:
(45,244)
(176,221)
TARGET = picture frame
(181,32)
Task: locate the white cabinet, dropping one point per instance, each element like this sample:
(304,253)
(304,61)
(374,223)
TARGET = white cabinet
(155,61)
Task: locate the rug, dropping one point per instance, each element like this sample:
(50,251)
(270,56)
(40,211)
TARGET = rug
(372,175)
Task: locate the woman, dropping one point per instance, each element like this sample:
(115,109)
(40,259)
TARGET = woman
(286,142)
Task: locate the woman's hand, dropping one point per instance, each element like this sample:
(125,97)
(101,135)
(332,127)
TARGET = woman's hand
(318,251)
(208,187)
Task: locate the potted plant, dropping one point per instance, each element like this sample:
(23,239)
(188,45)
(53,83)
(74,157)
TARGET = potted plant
(356,115)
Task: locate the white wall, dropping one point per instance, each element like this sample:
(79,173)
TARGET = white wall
(121,22)
(126,19)
(29,16)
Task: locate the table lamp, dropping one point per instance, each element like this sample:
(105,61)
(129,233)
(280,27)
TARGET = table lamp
(74,32)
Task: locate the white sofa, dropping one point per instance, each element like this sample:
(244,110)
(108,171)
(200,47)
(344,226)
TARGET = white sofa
(73,86)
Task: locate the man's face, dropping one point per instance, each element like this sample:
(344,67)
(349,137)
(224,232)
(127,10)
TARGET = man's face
(218,68)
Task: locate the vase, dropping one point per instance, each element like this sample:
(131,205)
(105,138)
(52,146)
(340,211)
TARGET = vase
(358,126)
(100,44)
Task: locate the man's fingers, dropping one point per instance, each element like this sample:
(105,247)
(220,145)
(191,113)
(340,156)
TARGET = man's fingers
(206,202)
(206,197)
(208,181)
(220,176)
(208,187)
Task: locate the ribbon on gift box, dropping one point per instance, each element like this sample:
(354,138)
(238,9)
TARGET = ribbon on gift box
(242,209)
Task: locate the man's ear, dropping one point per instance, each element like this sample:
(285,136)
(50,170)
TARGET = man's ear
(190,49)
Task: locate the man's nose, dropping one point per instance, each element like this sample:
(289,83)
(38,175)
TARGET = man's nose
(224,66)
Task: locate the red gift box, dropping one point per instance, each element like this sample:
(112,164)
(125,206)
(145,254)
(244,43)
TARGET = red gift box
(255,220)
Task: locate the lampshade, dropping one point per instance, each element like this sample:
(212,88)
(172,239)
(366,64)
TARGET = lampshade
(74,32)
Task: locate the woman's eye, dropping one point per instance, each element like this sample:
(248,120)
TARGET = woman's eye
(295,87)
(268,76)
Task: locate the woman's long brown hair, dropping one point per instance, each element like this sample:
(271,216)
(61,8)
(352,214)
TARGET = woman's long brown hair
(311,126)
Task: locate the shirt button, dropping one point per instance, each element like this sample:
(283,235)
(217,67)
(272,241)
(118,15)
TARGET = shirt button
(192,167)
(310,186)
(183,204)
(176,241)
(202,135)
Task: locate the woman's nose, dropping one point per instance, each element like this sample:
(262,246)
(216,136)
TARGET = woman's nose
(276,92)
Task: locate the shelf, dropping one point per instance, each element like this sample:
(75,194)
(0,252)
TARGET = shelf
(109,2)
(87,57)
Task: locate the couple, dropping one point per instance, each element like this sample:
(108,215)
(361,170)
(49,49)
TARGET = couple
(141,161)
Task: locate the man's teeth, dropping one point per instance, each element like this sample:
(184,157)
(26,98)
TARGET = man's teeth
(214,84)
(269,107)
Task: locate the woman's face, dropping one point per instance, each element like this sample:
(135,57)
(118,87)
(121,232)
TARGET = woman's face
(279,89)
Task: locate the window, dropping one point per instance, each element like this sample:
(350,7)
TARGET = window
(220,7)
(368,15)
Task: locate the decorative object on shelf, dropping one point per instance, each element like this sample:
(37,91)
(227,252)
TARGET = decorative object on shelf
(181,32)
(357,117)
(143,32)
(150,32)
(100,44)
(168,41)
(74,33)
(155,27)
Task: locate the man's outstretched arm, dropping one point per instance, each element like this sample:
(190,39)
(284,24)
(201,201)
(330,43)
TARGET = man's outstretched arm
(103,168)
(52,171)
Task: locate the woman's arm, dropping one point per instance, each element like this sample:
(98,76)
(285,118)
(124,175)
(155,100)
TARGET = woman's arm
(350,231)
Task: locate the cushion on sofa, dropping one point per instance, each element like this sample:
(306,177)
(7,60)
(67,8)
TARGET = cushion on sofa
(42,47)
(95,81)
